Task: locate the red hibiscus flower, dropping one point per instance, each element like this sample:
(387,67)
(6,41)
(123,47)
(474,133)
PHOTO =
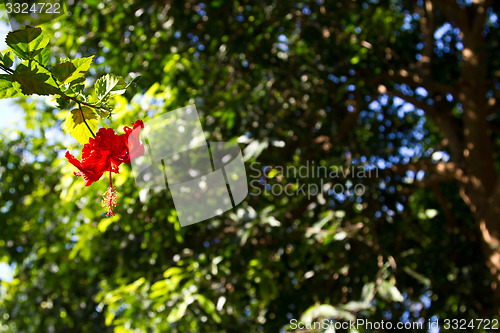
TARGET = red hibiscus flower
(106,152)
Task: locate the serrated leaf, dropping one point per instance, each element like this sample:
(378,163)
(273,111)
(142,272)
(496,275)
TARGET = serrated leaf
(27,43)
(8,88)
(69,71)
(76,127)
(82,66)
(109,83)
(8,59)
(35,79)
(81,115)
(63,71)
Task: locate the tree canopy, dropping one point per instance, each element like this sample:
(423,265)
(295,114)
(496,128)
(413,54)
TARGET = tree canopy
(409,88)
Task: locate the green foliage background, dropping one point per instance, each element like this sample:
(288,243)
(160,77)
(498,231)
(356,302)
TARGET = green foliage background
(389,255)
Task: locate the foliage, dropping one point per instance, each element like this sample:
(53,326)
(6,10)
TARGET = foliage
(313,81)
(64,80)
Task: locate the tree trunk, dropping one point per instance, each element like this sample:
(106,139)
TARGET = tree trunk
(479,187)
(490,231)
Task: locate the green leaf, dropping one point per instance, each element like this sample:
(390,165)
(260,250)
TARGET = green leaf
(109,83)
(325,311)
(132,287)
(208,306)
(172,271)
(82,115)
(43,57)
(8,59)
(177,312)
(62,103)
(63,70)
(419,277)
(75,124)
(8,88)
(356,306)
(136,78)
(35,79)
(367,292)
(27,43)
(78,82)
(272,173)
(82,66)
(389,292)
(71,70)
(77,86)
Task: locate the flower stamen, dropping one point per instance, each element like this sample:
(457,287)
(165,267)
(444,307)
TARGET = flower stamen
(105,152)
(110,198)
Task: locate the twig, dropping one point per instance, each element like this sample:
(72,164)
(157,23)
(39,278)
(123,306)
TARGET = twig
(83,117)
(6,69)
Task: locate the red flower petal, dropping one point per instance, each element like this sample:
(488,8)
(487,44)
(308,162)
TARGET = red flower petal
(134,146)
(106,152)
(89,175)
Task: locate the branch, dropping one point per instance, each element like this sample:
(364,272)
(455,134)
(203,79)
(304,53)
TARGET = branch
(430,110)
(415,81)
(83,117)
(6,69)
(441,171)
(74,99)
(349,228)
